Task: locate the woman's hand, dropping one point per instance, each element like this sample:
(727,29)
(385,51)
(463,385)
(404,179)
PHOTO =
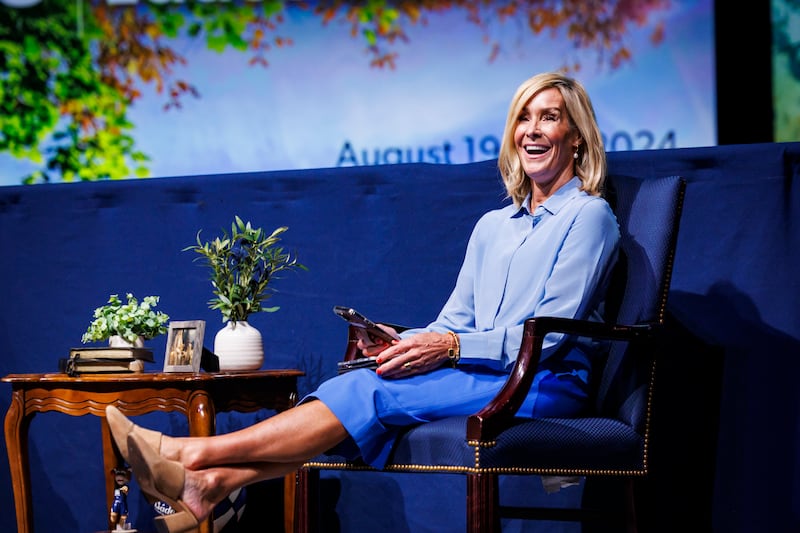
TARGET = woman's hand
(369,346)
(417,354)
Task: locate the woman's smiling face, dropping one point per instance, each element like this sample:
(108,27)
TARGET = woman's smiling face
(546,140)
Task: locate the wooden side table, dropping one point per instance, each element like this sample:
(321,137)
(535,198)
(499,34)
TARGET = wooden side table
(198,396)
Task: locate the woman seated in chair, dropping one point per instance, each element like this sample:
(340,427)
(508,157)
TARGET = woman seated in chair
(549,253)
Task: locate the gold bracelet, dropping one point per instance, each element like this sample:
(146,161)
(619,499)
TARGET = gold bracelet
(454,352)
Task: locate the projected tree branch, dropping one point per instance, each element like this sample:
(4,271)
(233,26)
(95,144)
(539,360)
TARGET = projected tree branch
(71,69)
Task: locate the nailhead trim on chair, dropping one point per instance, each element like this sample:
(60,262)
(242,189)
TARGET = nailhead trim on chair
(469,470)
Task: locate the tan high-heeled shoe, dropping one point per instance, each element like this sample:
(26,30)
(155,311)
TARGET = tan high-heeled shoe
(121,426)
(162,479)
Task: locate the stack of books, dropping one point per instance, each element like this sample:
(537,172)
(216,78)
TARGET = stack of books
(104,360)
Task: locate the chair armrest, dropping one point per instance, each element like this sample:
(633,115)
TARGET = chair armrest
(495,416)
(352,352)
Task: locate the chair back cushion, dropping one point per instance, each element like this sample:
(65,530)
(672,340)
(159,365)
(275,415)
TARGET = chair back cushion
(648,212)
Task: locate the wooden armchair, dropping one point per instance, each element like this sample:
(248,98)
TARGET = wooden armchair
(609,443)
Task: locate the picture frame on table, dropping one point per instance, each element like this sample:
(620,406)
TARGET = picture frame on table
(184,346)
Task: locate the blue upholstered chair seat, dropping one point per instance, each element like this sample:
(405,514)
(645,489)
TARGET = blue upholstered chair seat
(529,446)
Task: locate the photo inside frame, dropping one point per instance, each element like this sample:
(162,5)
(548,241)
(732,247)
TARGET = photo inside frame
(184,346)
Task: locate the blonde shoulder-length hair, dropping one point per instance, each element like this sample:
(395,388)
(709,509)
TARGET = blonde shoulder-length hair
(590,165)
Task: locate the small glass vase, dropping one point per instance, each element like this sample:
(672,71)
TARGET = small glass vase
(239,347)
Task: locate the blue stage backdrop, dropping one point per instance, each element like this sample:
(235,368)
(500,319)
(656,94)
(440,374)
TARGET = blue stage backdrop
(389,240)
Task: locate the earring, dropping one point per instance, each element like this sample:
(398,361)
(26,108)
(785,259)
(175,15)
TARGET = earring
(575,155)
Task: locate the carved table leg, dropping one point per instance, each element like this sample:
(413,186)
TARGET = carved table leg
(202,415)
(16,428)
(202,422)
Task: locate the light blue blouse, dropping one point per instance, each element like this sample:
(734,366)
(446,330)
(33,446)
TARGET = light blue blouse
(554,262)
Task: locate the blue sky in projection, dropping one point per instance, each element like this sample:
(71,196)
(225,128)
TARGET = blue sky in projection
(320,104)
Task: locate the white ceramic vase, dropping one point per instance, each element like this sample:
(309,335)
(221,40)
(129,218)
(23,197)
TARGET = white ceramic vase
(239,347)
(117,341)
